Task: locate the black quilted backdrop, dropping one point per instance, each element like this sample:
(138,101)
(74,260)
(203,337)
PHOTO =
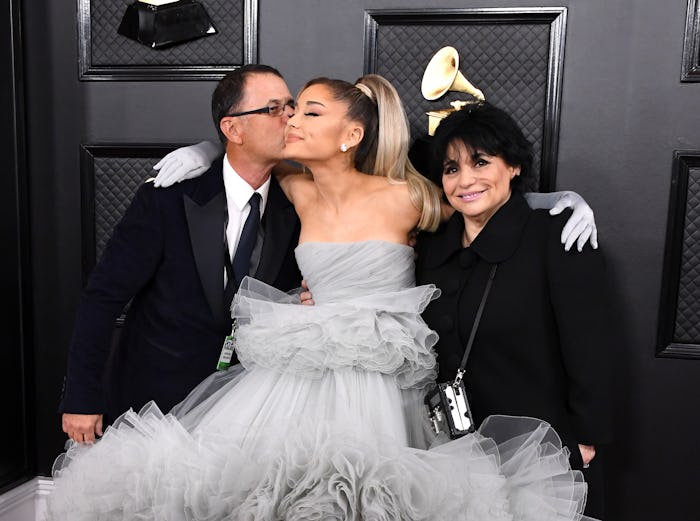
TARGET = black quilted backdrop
(679,309)
(104,50)
(690,71)
(110,177)
(687,329)
(508,60)
(116,182)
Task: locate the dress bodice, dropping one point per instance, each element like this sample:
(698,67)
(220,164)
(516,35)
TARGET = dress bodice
(337,271)
(366,315)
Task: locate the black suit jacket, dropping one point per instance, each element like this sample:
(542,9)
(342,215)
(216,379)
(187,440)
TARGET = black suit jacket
(545,342)
(166,257)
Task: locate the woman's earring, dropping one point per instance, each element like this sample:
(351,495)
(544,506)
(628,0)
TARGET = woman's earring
(343,147)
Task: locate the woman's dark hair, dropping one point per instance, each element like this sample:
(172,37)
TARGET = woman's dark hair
(483,127)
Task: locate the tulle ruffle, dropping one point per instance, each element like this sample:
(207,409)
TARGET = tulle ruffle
(148,467)
(325,421)
(379,333)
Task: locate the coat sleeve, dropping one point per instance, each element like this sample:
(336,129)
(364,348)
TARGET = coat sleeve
(582,307)
(129,260)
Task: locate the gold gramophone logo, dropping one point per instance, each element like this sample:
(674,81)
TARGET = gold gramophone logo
(441,75)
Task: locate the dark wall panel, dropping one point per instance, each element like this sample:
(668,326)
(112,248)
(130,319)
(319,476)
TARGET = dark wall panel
(679,310)
(110,176)
(107,55)
(516,54)
(55,124)
(16,436)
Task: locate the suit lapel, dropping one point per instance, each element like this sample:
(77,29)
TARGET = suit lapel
(205,212)
(279,231)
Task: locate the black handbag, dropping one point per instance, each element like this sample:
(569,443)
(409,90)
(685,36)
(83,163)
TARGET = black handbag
(448,407)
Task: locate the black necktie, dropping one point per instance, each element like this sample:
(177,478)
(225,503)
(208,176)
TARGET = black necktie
(249,236)
(241,259)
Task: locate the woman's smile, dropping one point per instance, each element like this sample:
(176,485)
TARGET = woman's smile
(471,196)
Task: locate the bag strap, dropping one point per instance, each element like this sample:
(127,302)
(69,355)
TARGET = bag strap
(477,319)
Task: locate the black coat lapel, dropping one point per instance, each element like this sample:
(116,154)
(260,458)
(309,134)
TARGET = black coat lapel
(501,236)
(435,248)
(205,212)
(281,223)
(497,242)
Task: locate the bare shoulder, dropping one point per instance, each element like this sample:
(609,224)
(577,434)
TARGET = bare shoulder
(396,192)
(295,186)
(383,185)
(394,197)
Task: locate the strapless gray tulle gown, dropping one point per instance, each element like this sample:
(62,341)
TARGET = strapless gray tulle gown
(322,420)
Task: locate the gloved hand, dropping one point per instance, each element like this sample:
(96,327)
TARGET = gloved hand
(186,163)
(581,225)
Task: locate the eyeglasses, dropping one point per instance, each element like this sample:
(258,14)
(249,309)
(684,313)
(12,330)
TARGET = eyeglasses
(274,109)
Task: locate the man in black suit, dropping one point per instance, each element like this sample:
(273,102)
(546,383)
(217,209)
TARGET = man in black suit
(167,256)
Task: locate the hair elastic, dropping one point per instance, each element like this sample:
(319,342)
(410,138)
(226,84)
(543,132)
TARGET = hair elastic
(365,90)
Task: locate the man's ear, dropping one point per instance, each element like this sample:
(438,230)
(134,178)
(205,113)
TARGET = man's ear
(232,129)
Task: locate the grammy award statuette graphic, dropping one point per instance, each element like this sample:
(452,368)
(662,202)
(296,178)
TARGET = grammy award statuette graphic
(163,23)
(442,75)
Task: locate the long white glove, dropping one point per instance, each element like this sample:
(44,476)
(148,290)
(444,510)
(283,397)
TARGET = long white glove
(186,163)
(581,225)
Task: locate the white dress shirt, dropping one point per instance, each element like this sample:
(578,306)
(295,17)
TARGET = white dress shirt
(238,193)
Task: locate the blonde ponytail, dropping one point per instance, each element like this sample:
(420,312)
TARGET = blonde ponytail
(391,157)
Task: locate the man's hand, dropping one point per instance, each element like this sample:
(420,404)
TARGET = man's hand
(305,297)
(587,454)
(82,427)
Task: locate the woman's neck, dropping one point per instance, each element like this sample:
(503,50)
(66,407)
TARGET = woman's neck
(472,228)
(473,225)
(336,183)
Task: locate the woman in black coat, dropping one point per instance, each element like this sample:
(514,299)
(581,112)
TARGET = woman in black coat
(544,344)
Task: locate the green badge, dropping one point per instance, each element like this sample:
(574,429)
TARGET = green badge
(226,351)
